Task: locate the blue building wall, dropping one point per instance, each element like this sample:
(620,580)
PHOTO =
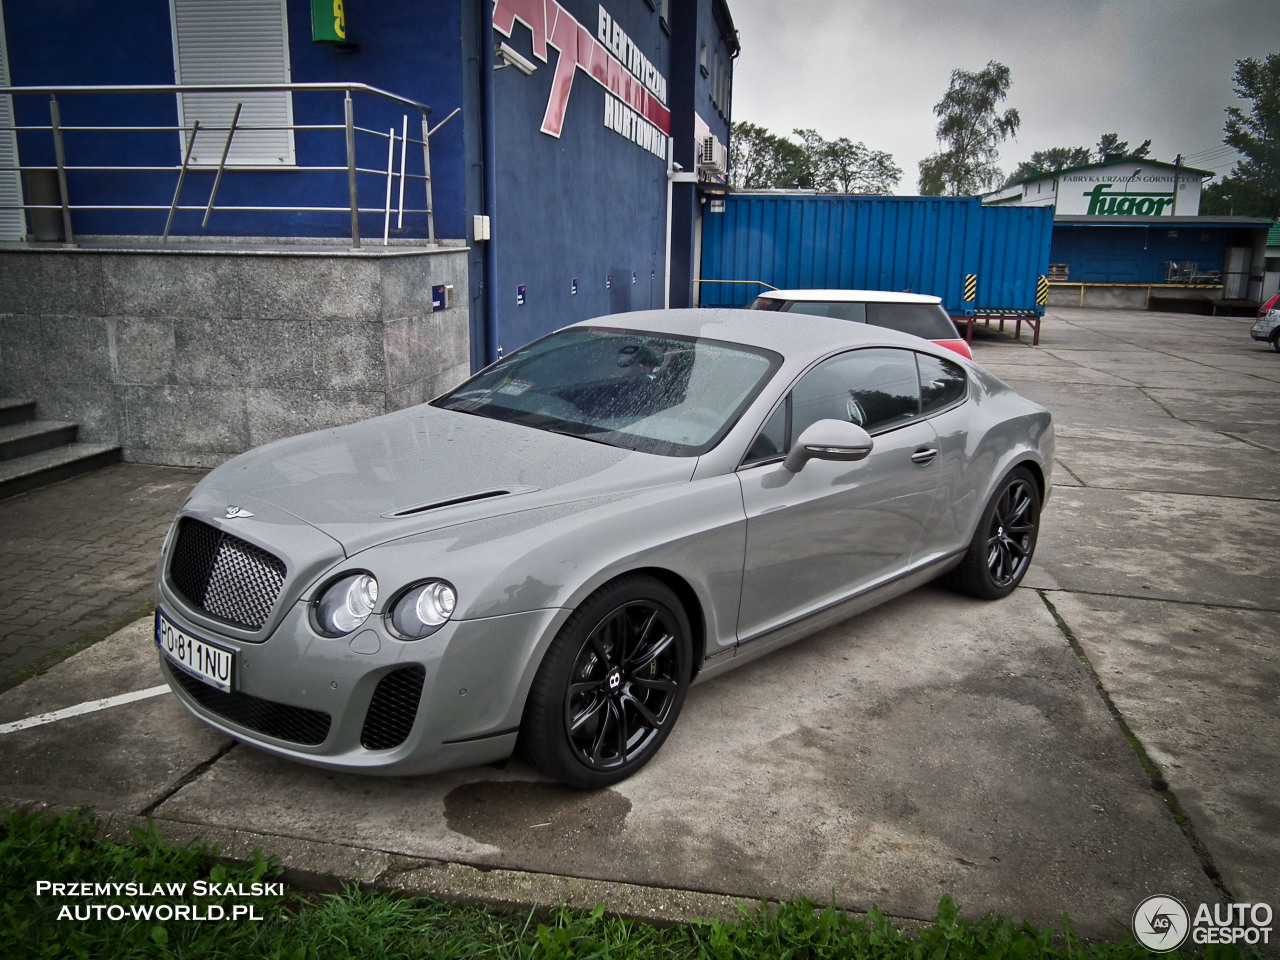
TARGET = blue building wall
(580,211)
(410,50)
(587,206)
(1137,253)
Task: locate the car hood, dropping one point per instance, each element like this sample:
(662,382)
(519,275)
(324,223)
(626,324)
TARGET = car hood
(425,468)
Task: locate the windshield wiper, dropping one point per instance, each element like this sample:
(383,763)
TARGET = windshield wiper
(583,431)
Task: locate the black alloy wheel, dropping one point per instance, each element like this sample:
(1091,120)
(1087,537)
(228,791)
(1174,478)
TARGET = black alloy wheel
(611,686)
(1002,546)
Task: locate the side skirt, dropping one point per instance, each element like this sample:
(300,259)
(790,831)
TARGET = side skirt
(761,644)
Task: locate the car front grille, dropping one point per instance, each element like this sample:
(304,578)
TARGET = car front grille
(393,708)
(224,576)
(295,724)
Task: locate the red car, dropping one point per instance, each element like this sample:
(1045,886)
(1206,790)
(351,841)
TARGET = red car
(1267,326)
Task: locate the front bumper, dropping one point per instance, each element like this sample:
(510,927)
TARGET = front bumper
(369,703)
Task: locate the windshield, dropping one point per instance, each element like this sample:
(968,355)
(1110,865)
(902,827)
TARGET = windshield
(656,393)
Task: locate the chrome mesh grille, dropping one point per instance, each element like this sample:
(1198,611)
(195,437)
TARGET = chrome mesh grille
(224,576)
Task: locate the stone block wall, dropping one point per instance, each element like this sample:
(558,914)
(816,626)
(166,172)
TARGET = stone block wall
(187,356)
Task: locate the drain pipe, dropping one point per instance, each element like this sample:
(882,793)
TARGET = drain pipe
(488,149)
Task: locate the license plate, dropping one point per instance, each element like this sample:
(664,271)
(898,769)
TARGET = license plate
(202,659)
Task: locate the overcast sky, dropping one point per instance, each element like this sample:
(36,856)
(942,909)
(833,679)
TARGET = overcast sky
(872,70)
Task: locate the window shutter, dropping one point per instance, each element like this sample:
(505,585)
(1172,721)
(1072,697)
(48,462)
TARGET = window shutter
(234,42)
(12,224)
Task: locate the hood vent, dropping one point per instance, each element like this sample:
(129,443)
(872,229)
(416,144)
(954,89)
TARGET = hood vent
(438,504)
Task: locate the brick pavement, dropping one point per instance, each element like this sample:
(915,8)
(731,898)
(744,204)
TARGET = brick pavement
(77,560)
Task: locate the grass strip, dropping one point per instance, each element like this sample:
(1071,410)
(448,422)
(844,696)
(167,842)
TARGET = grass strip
(36,922)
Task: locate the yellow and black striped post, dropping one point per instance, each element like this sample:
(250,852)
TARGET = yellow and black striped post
(970,287)
(1042,292)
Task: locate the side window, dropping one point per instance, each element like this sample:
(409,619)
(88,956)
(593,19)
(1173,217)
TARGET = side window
(876,389)
(927,320)
(772,441)
(855,312)
(942,383)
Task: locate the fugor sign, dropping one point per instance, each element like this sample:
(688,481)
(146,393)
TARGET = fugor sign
(1129,190)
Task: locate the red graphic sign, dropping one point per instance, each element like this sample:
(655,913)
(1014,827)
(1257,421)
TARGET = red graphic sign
(552,25)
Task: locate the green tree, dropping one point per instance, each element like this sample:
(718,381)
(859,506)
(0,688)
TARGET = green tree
(1252,188)
(809,170)
(842,166)
(971,130)
(791,168)
(1111,147)
(760,159)
(752,155)
(1047,161)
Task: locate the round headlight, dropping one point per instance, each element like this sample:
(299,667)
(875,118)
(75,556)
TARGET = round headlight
(346,604)
(423,610)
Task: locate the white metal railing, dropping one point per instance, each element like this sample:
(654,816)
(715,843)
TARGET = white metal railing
(393,205)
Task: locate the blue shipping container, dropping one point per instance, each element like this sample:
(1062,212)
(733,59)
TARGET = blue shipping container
(910,244)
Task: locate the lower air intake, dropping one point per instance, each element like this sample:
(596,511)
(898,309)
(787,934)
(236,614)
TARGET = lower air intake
(295,724)
(393,708)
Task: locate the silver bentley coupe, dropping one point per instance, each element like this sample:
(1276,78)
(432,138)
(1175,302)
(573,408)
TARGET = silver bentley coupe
(546,558)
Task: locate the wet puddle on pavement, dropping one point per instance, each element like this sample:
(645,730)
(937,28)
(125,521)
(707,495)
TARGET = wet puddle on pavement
(523,813)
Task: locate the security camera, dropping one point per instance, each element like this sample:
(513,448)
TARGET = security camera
(510,58)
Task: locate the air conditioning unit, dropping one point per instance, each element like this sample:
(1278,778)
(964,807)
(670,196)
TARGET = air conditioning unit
(713,157)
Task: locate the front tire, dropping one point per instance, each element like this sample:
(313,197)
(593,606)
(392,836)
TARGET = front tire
(611,686)
(1002,546)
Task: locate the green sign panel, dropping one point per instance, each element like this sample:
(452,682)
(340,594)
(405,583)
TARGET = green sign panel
(328,22)
(1102,202)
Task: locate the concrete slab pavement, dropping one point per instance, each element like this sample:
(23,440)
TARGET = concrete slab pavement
(1199,685)
(121,759)
(1161,559)
(937,745)
(887,761)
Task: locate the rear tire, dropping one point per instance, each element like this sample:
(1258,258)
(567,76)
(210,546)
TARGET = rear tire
(1275,342)
(1002,546)
(611,685)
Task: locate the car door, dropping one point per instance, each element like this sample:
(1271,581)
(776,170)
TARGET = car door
(944,392)
(835,528)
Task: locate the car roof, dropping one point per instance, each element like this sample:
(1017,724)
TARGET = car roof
(849,296)
(793,335)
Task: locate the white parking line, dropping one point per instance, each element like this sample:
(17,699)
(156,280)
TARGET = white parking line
(91,706)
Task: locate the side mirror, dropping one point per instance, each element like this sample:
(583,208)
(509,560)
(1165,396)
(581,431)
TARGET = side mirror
(828,440)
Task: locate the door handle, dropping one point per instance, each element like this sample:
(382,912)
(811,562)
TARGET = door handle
(924,455)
